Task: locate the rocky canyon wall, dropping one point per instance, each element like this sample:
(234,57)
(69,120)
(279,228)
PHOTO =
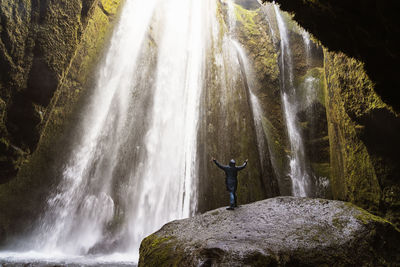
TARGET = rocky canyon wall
(363,133)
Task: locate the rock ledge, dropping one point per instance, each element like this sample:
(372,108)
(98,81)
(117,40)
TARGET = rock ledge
(280,231)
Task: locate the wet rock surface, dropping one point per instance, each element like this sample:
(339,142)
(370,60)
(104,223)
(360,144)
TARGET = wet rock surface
(283,231)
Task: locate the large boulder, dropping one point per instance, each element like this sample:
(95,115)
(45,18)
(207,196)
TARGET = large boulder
(283,231)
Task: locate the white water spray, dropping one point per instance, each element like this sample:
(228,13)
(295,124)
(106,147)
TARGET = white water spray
(298,171)
(168,179)
(82,206)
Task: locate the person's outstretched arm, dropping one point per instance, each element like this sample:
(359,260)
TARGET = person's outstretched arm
(243,166)
(223,167)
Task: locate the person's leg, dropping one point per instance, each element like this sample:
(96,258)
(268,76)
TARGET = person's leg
(231,200)
(235,197)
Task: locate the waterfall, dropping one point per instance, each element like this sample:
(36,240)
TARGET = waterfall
(307,44)
(256,108)
(298,170)
(263,141)
(133,167)
(310,87)
(82,206)
(167,184)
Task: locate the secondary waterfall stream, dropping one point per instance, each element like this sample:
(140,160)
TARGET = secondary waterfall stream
(298,170)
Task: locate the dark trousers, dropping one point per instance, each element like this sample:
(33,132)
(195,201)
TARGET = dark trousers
(233,198)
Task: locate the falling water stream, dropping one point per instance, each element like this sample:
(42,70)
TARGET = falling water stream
(256,108)
(298,171)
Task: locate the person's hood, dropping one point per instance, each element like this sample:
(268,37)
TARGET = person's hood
(232,163)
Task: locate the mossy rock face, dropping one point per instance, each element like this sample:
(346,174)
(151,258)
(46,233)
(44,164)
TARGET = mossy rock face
(311,90)
(314,80)
(227,127)
(284,231)
(81,40)
(15,21)
(38,42)
(110,6)
(363,134)
(252,31)
(260,38)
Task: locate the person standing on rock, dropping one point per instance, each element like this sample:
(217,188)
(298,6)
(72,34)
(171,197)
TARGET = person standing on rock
(231,179)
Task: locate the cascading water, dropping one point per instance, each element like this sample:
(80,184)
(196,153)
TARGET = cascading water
(257,112)
(168,176)
(133,168)
(298,170)
(307,44)
(250,83)
(311,86)
(310,92)
(78,213)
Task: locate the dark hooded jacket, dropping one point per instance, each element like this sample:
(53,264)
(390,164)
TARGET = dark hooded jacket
(231,174)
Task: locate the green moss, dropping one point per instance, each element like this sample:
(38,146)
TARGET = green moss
(156,251)
(366,217)
(275,143)
(215,213)
(223,29)
(111,6)
(252,33)
(247,19)
(353,175)
(360,174)
(15,61)
(339,223)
